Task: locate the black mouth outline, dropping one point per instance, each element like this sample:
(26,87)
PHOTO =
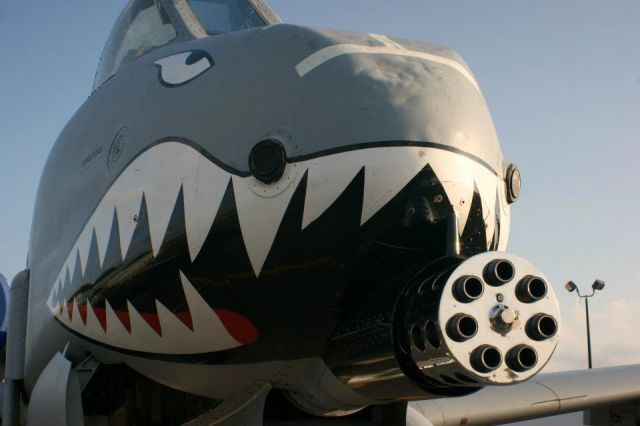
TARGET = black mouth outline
(229,188)
(316,154)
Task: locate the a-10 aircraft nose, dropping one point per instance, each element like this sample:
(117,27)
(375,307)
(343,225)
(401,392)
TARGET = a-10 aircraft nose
(276,173)
(285,194)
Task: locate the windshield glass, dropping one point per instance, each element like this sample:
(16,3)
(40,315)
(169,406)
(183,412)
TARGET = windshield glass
(142,27)
(223,16)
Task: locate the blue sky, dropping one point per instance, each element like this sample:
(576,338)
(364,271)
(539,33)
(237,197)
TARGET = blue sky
(562,80)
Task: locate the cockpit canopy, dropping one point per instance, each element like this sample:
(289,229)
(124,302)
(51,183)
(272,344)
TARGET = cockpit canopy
(145,25)
(224,16)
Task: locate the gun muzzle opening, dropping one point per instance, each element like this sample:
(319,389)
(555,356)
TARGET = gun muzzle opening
(462,327)
(467,289)
(541,327)
(522,358)
(486,358)
(418,337)
(490,319)
(531,289)
(499,272)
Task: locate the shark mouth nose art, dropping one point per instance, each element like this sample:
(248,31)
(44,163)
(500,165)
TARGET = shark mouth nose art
(161,209)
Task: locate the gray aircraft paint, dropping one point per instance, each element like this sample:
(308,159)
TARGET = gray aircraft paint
(252,93)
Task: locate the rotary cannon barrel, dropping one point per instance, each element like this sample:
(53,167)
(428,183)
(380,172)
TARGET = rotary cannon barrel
(449,329)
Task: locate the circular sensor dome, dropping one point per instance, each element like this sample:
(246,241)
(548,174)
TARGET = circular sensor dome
(267,161)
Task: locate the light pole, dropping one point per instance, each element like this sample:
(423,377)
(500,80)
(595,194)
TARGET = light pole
(597,285)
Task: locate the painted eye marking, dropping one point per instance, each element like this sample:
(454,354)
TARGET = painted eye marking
(181,68)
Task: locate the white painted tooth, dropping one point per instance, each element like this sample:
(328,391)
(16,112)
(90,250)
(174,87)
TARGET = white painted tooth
(77,264)
(93,329)
(58,283)
(127,207)
(387,171)
(83,244)
(76,319)
(65,315)
(71,265)
(117,335)
(66,280)
(61,282)
(206,324)
(126,194)
(456,175)
(174,332)
(65,273)
(157,175)
(486,181)
(327,178)
(166,167)
(203,194)
(55,289)
(61,285)
(460,195)
(260,217)
(160,204)
(140,328)
(102,220)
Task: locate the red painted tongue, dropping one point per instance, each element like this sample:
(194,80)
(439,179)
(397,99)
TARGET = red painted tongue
(239,327)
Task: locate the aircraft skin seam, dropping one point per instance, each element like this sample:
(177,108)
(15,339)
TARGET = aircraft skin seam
(398,143)
(316,154)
